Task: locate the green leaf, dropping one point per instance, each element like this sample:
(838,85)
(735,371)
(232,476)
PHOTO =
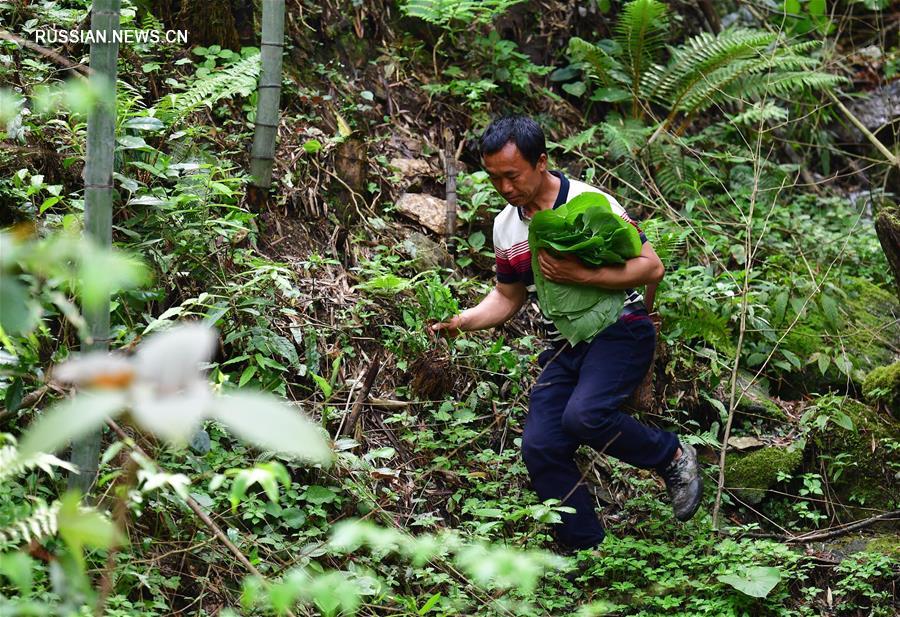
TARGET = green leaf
(476,240)
(103,272)
(824,362)
(17,568)
(270,424)
(131,142)
(312,146)
(80,527)
(144,123)
(48,203)
(610,95)
(843,363)
(17,315)
(792,7)
(267,475)
(429,604)
(70,420)
(246,376)
(830,310)
(386,284)
(779,308)
(564,74)
(842,420)
(323,384)
(13,397)
(756,581)
(319,494)
(575,88)
(792,358)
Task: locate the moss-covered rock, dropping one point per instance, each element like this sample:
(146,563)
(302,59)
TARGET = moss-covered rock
(882,386)
(886,544)
(751,475)
(756,400)
(869,342)
(865,333)
(861,459)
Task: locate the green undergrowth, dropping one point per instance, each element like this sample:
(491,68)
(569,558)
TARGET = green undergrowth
(307,295)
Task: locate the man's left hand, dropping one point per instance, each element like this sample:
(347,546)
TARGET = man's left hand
(564,269)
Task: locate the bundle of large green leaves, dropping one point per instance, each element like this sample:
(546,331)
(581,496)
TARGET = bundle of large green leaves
(587,228)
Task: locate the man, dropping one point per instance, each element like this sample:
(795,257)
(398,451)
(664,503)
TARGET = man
(577,397)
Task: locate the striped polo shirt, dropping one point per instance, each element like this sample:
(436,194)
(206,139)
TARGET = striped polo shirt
(514,257)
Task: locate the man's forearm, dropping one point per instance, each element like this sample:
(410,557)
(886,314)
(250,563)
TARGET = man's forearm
(493,311)
(633,273)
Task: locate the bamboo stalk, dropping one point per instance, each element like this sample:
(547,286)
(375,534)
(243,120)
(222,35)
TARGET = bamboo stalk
(450,170)
(98,170)
(267,110)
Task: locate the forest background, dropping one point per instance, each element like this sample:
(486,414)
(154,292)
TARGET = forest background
(335,458)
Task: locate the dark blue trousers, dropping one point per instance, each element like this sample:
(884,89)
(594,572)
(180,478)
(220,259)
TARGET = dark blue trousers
(576,402)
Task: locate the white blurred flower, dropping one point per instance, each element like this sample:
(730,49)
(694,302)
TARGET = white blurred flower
(164,388)
(166,391)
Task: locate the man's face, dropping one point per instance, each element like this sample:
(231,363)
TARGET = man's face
(513,176)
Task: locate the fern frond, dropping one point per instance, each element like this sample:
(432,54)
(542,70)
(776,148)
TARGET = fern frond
(42,522)
(150,22)
(787,82)
(667,238)
(443,13)
(641,32)
(238,78)
(740,63)
(623,137)
(599,63)
(732,81)
(760,113)
(699,56)
(11,465)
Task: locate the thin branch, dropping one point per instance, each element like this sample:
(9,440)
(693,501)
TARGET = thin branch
(368,381)
(47,53)
(890,156)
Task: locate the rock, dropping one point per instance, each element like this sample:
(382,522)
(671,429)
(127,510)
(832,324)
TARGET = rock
(427,210)
(743,17)
(882,385)
(756,400)
(751,475)
(887,228)
(887,544)
(200,442)
(879,108)
(410,168)
(425,252)
(862,459)
(745,443)
(864,310)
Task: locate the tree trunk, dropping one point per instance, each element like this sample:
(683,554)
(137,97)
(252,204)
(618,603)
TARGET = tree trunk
(98,170)
(267,111)
(887,226)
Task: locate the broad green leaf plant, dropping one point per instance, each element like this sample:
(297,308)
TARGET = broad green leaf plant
(587,228)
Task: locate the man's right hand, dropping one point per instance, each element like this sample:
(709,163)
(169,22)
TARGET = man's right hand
(451,328)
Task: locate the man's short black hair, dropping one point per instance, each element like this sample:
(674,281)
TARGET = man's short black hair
(521,130)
